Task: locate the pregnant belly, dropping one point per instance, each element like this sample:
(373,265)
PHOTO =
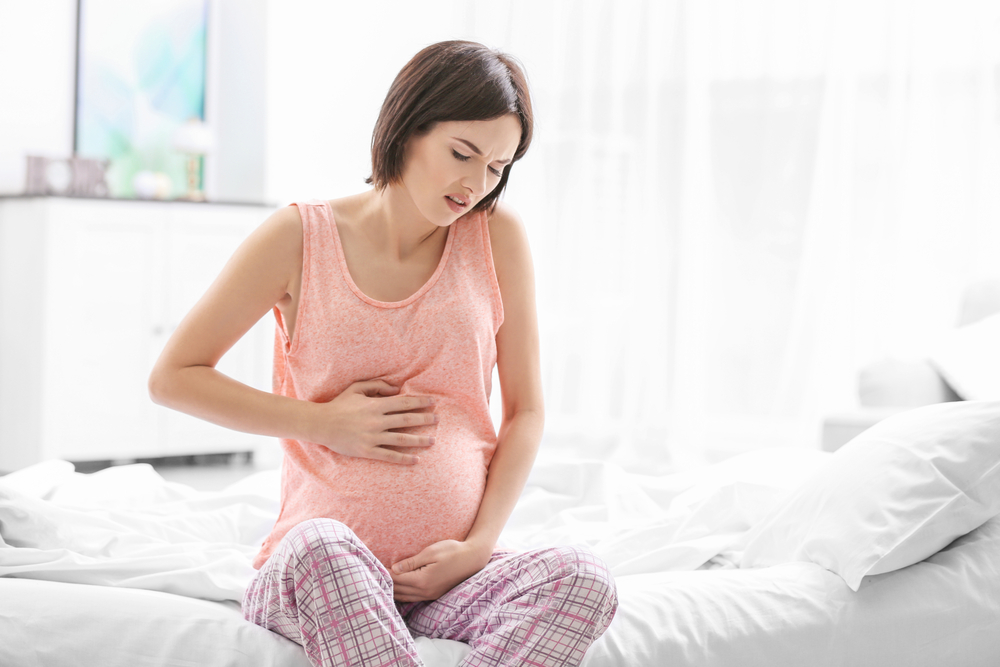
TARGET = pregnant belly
(399,510)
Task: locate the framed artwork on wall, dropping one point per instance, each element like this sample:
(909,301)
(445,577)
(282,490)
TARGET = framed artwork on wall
(140,79)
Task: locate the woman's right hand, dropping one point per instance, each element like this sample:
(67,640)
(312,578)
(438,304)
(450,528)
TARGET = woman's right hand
(360,421)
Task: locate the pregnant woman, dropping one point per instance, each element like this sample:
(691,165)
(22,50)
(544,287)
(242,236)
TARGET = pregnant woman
(392,308)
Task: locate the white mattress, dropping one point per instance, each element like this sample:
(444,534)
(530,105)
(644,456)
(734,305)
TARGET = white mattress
(122,568)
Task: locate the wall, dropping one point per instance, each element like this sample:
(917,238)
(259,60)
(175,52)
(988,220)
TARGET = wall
(328,69)
(236,100)
(38,52)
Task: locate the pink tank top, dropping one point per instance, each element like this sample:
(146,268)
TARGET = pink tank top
(440,342)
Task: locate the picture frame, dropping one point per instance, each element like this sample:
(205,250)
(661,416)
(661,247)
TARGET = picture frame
(140,76)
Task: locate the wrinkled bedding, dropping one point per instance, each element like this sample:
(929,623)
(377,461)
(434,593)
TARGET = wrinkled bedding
(122,567)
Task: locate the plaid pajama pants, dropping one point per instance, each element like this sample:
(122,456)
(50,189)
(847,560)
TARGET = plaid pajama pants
(322,588)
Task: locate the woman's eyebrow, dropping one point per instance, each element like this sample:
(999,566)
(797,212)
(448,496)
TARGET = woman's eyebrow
(475,149)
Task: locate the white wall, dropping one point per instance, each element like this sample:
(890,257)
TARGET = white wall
(37,79)
(732,207)
(236,100)
(329,66)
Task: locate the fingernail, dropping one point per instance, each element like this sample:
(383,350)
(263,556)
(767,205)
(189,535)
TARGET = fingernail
(432,440)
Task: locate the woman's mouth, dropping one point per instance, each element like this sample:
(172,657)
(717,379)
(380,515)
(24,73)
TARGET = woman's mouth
(455,203)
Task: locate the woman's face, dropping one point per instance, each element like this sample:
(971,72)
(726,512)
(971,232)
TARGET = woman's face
(450,169)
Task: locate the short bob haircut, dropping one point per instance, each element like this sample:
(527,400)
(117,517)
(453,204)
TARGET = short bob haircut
(449,81)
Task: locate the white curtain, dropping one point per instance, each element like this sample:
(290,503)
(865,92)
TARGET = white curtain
(733,205)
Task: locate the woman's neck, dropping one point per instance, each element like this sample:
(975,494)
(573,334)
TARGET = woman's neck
(393,224)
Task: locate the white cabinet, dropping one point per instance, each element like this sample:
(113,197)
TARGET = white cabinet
(90,290)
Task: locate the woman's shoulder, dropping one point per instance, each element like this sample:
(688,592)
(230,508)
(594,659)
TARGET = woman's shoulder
(289,220)
(509,241)
(283,227)
(506,227)
(503,215)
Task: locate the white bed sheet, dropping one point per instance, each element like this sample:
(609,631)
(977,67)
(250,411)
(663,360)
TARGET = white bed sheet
(943,611)
(170,563)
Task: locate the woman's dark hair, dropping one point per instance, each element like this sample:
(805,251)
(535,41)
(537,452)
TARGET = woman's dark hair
(449,81)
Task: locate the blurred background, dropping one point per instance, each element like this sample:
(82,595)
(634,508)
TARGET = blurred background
(734,206)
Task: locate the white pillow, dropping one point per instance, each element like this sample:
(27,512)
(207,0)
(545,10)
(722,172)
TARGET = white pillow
(892,496)
(968,358)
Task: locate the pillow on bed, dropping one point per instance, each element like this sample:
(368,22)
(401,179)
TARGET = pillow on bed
(968,358)
(891,497)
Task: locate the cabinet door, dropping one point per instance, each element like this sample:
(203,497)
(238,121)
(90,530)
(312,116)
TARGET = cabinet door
(98,298)
(199,241)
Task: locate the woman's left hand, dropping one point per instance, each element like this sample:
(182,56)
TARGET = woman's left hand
(436,570)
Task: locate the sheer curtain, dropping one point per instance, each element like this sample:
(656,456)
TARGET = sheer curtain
(733,204)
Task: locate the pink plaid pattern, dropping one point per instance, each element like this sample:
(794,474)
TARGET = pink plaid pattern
(323,589)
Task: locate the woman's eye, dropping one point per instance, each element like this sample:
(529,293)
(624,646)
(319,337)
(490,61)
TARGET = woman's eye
(465,158)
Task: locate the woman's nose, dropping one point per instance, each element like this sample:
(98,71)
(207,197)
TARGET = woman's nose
(476,182)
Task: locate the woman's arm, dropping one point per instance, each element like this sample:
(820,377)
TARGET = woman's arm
(258,275)
(262,272)
(518,366)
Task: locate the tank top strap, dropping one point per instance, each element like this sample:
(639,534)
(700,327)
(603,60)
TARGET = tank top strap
(321,279)
(472,243)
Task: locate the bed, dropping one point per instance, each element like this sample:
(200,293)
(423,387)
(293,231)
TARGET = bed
(714,566)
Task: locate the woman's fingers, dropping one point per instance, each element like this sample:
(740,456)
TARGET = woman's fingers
(409,419)
(409,587)
(409,565)
(363,419)
(395,404)
(392,456)
(408,594)
(383,453)
(374,388)
(399,415)
(400,585)
(406,440)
